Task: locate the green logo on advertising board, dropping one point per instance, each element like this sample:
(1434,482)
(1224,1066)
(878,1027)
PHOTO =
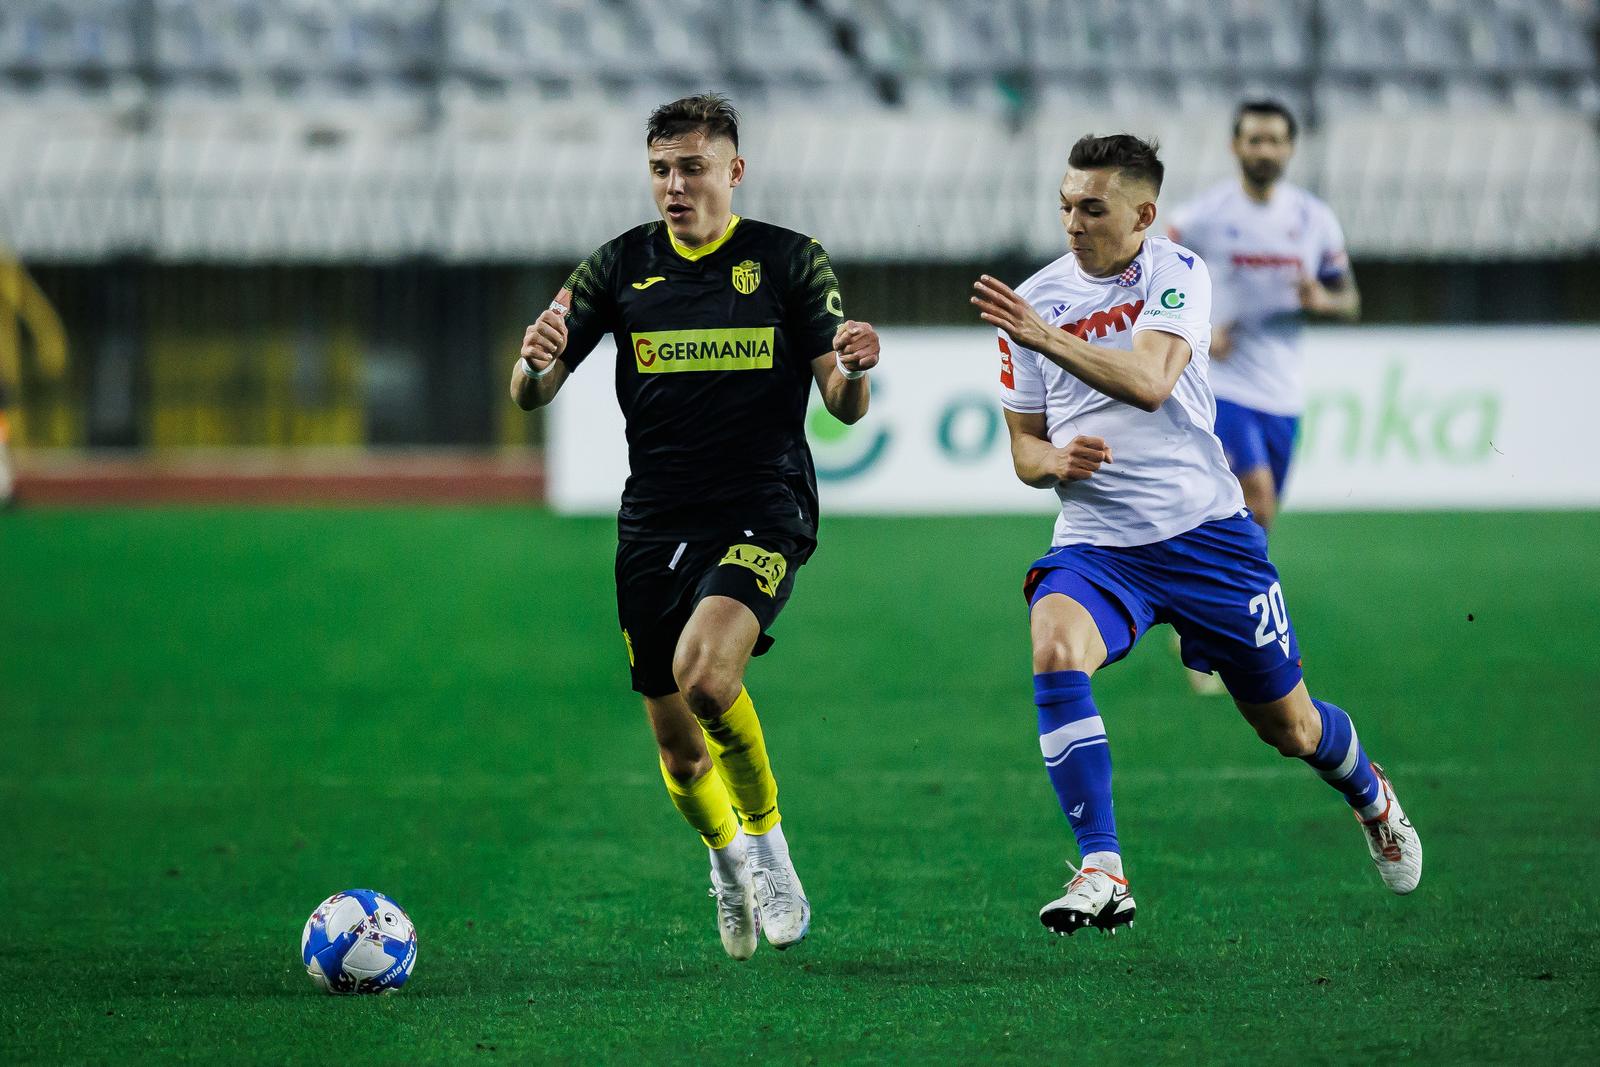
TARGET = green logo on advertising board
(1403,424)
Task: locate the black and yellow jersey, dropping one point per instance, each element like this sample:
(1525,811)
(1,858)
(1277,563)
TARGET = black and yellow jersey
(714,351)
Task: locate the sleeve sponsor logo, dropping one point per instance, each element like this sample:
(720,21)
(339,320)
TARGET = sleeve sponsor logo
(670,351)
(1008,373)
(1173,299)
(768,567)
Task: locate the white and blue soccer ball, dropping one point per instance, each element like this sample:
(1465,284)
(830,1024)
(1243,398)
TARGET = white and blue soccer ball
(359,941)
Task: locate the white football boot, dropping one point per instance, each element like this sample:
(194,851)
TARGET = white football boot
(737,921)
(785,911)
(1094,897)
(1393,841)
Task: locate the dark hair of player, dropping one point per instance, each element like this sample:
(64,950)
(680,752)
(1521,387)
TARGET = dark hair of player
(710,112)
(1129,154)
(1264,107)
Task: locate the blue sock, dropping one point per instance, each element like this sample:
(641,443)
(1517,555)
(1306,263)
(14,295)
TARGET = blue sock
(1077,757)
(1343,762)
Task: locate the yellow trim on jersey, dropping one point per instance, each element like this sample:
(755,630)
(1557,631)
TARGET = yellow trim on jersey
(692,254)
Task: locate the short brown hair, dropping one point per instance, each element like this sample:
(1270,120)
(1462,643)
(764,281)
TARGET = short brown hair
(1127,153)
(1264,107)
(710,112)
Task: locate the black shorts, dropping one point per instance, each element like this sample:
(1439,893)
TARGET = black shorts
(659,583)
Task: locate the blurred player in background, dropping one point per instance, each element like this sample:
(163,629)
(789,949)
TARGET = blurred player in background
(8,469)
(1277,256)
(1103,358)
(722,325)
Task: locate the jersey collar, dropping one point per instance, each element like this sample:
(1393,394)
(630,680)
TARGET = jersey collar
(1111,279)
(692,254)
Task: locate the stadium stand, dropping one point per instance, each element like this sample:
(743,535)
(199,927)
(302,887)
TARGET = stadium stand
(332,130)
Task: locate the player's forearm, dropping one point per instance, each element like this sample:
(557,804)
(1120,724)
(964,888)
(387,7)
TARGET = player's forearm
(1344,304)
(529,392)
(1034,460)
(847,400)
(1129,376)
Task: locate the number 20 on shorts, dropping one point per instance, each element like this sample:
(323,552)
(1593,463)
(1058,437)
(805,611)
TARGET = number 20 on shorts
(1274,622)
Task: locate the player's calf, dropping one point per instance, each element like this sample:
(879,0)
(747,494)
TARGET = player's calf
(1291,724)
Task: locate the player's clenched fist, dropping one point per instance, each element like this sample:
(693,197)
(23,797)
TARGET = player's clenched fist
(857,346)
(547,337)
(1081,458)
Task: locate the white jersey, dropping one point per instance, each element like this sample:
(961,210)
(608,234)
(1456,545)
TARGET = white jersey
(1168,474)
(1257,253)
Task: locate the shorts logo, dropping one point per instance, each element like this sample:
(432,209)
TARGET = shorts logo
(746,276)
(1172,299)
(669,351)
(627,640)
(768,567)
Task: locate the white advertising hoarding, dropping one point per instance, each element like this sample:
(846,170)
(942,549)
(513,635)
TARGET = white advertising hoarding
(1397,419)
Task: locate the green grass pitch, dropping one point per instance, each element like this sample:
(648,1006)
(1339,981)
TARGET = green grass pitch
(210,720)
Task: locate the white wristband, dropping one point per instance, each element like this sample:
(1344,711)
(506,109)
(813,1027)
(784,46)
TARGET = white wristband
(527,368)
(849,375)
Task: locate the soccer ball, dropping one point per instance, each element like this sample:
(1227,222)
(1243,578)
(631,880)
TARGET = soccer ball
(359,941)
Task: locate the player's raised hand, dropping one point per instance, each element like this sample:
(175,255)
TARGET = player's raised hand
(1000,306)
(1081,458)
(1221,341)
(547,337)
(857,346)
(1315,297)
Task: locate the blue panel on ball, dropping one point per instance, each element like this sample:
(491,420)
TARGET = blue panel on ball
(369,898)
(405,954)
(331,960)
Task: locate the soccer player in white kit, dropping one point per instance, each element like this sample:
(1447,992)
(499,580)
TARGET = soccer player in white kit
(1103,360)
(1277,256)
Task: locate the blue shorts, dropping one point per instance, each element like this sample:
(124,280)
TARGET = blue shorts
(1254,439)
(1214,584)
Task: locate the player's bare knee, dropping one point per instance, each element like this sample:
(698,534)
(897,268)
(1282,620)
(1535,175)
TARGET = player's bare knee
(708,687)
(1062,652)
(685,765)
(710,697)
(1287,734)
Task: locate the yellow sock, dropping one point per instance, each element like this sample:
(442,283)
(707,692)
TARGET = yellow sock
(703,803)
(740,754)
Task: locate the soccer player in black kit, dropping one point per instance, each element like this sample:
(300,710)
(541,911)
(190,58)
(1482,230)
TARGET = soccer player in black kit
(721,325)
